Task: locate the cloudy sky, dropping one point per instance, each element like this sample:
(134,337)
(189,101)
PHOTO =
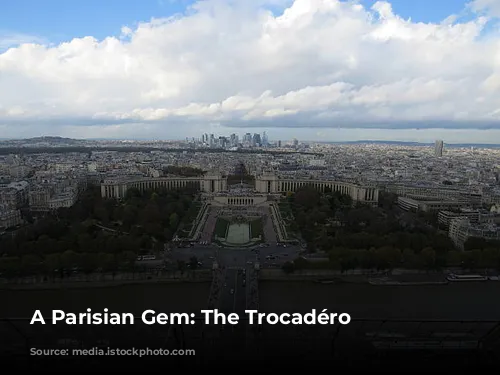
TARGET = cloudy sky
(312,69)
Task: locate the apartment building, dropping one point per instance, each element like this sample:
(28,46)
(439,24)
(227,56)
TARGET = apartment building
(461,229)
(10,218)
(14,195)
(427,205)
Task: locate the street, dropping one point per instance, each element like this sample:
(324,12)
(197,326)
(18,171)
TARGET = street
(236,257)
(233,300)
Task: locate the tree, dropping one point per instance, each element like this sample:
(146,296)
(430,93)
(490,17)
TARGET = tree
(300,263)
(476,256)
(52,263)
(387,257)
(69,259)
(428,257)
(307,197)
(101,214)
(193,263)
(89,262)
(174,221)
(490,258)
(128,259)
(453,258)
(107,262)
(288,267)
(475,243)
(30,264)
(387,200)
(10,266)
(408,258)
(181,266)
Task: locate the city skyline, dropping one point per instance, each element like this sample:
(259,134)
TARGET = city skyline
(271,141)
(380,71)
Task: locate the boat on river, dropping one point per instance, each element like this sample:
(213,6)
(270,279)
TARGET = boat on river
(466,278)
(389,282)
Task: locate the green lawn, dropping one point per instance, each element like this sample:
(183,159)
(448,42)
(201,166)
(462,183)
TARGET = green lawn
(221,227)
(256,228)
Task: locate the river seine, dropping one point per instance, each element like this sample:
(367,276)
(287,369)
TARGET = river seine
(479,301)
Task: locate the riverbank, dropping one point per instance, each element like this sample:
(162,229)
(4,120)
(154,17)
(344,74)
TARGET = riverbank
(456,301)
(396,277)
(97,284)
(387,281)
(373,278)
(160,296)
(104,280)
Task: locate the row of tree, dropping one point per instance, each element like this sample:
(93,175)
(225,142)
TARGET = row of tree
(182,171)
(97,233)
(383,237)
(389,258)
(66,263)
(330,220)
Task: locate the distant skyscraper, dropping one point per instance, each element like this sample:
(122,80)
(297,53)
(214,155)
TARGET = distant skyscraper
(295,142)
(256,140)
(438,148)
(279,143)
(265,140)
(221,142)
(233,140)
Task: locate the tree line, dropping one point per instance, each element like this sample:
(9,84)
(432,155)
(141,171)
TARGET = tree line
(384,237)
(97,234)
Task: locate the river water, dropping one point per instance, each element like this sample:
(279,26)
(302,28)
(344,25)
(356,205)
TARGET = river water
(182,297)
(457,301)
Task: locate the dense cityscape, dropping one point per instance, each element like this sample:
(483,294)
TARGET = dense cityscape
(459,186)
(250,185)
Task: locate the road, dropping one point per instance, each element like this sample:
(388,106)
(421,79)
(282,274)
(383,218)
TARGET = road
(233,300)
(234,294)
(236,257)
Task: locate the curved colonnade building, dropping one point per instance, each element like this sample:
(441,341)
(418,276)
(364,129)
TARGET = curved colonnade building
(267,183)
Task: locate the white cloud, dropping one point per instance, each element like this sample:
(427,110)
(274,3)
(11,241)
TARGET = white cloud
(491,7)
(321,63)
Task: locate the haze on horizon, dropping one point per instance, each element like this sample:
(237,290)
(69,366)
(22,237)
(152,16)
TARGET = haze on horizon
(312,69)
